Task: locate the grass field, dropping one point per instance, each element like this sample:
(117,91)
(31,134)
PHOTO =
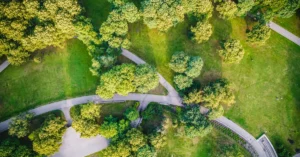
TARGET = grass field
(292,24)
(63,73)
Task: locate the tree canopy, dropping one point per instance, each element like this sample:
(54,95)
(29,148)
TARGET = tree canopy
(162,15)
(227,9)
(182,82)
(11,147)
(146,78)
(201,32)
(20,125)
(131,114)
(232,51)
(259,34)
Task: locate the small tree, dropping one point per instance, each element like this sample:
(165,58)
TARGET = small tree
(158,140)
(216,113)
(227,9)
(182,82)
(179,62)
(47,139)
(19,126)
(136,139)
(162,14)
(198,7)
(202,31)
(244,6)
(232,51)
(146,78)
(130,12)
(194,97)
(259,34)
(131,114)
(109,128)
(146,151)
(194,68)
(289,9)
(119,149)
(11,147)
(90,111)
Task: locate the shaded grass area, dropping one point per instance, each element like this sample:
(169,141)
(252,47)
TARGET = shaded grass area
(291,24)
(63,73)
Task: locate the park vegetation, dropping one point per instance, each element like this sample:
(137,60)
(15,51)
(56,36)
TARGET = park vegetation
(20,125)
(126,78)
(232,51)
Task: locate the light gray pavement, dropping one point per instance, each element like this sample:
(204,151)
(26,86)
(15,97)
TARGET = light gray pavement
(297,155)
(74,146)
(265,144)
(284,32)
(4,65)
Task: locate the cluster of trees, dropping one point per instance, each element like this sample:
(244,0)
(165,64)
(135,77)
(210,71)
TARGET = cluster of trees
(232,51)
(186,67)
(27,26)
(46,139)
(126,78)
(213,96)
(85,120)
(11,147)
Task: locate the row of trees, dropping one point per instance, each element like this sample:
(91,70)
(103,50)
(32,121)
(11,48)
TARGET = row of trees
(126,78)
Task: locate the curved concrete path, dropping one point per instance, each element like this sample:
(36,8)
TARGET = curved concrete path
(4,65)
(284,32)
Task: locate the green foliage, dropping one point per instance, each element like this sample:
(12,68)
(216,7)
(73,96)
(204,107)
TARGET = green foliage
(121,148)
(146,78)
(158,140)
(27,26)
(231,151)
(146,151)
(216,113)
(179,62)
(85,120)
(118,80)
(109,128)
(194,67)
(131,114)
(162,15)
(244,6)
(283,152)
(232,51)
(259,34)
(182,82)
(194,97)
(47,139)
(117,3)
(151,111)
(198,7)
(227,9)
(19,126)
(289,9)
(202,31)
(218,93)
(136,139)
(85,31)
(194,123)
(127,78)
(130,12)
(11,147)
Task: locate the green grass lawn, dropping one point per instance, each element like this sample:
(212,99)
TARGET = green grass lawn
(292,24)
(63,73)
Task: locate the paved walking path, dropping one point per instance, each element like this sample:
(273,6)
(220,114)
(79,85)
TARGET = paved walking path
(284,32)
(3,65)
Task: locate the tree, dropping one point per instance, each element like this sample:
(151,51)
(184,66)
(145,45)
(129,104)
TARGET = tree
(130,12)
(146,151)
(227,9)
(118,80)
(216,113)
(201,32)
(259,34)
(232,51)
(136,139)
(19,126)
(146,78)
(117,3)
(121,148)
(179,62)
(198,7)
(11,147)
(109,128)
(158,140)
(162,15)
(182,82)
(194,67)
(151,111)
(244,6)
(194,97)
(218,93)
(131,114)
(194,123)
(85,120)
(47,139)
(289,9)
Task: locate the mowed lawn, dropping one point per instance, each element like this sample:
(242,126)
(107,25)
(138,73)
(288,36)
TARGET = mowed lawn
(63,73)
(292,24)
